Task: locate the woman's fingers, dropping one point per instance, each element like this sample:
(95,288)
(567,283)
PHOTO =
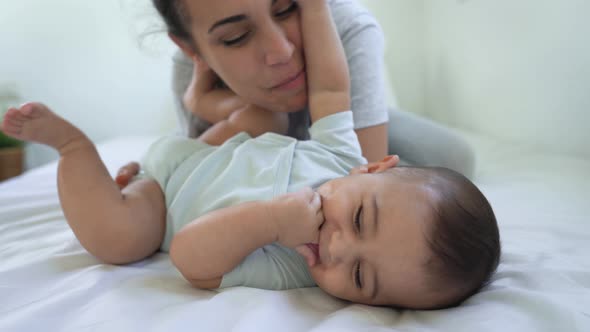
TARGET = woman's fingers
(126,173)
(202,83)
(204,80)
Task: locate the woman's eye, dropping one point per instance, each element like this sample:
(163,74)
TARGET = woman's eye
(285,12)
(235,41)
(357,276)
(357,219)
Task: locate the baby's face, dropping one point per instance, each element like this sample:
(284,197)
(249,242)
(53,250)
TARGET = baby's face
(372,245)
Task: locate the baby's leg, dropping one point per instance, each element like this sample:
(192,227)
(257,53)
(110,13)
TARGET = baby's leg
(34,122)
(115,227)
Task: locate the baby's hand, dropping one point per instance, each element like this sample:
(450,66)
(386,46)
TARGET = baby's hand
(298,217)
(310,7)
(304,3)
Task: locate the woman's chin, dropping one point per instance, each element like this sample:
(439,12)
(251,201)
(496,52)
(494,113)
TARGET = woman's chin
(293,103)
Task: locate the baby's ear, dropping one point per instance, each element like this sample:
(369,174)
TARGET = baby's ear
(376,167)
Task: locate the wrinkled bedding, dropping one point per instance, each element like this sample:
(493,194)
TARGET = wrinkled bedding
(49,283)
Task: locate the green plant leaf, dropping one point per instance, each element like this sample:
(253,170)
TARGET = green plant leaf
(8,142)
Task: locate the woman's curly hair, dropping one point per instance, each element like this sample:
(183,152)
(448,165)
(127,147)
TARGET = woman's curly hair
(175,16)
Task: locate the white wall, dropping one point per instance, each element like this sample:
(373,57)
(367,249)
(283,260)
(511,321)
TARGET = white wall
(517,70)
(84,60)
(403,23)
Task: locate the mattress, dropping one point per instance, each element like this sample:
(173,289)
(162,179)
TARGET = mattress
(49,283)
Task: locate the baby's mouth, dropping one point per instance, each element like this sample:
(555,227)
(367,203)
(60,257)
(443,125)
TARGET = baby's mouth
(315,249)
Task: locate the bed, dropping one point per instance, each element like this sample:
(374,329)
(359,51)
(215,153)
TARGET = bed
(49,283)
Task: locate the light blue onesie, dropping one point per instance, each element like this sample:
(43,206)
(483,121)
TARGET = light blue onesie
(197,178)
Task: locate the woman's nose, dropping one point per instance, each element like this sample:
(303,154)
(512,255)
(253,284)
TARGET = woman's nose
(278,49)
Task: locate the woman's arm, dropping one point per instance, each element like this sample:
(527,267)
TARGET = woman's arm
(250,119)
(204,98)
(227,112)
(214,244)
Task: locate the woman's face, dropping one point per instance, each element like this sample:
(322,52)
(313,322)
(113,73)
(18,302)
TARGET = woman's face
(255,47)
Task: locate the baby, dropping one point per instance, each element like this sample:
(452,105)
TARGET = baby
(244,213)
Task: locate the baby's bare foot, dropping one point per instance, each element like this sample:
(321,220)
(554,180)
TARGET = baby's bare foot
(34,122)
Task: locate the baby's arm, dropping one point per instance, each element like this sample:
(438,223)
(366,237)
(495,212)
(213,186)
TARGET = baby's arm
(214,244)
(327,69)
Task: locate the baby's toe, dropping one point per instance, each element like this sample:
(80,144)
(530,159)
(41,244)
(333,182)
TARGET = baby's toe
(28,108)
(35,110)
(10,128)
(15,116)
(11,112)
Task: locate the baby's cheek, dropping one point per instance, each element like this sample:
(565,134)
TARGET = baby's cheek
(331,282)
(318,275)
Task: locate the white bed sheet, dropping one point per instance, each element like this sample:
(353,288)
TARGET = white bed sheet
(49,283)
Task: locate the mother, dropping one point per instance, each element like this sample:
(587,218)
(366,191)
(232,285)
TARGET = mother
(254,48)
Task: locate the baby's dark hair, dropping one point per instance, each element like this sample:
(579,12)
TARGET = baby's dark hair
(175,15)
(463,236)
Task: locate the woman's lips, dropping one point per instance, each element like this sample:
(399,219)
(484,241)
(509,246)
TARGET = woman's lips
(292,82)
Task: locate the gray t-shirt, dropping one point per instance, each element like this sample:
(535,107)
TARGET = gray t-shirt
(363,42)
(197,178)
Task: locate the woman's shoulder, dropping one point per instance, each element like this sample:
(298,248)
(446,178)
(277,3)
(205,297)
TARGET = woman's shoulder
(351,14)
(179,58)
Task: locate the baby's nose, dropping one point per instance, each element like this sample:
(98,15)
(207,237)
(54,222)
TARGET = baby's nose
(340,248)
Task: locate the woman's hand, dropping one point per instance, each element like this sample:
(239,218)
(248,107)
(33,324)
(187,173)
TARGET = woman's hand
(227,112)
(202,82)
(297,216)
(126,173)
(207,100)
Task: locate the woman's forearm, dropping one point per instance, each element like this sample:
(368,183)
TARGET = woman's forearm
(250,119)
(215,243)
